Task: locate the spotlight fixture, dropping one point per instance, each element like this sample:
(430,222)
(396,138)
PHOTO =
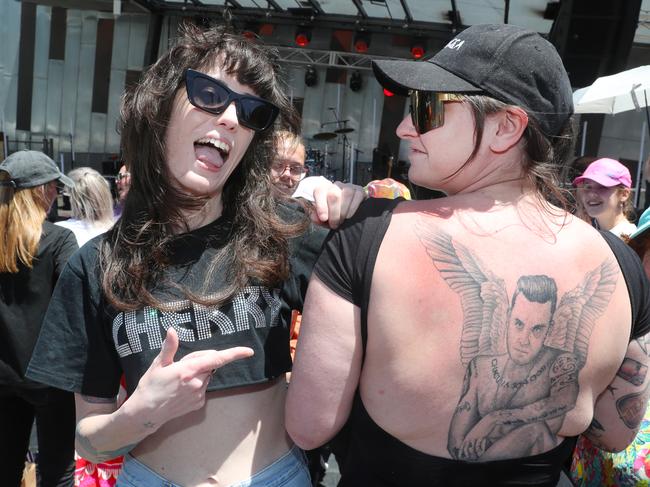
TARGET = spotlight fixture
(361,42)
(417,50)
(356,82)
(302,37)
(250,31)
(311,76)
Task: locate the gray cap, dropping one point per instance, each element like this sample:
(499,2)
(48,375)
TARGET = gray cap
(30,168)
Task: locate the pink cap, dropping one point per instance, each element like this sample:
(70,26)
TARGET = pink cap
(606,172)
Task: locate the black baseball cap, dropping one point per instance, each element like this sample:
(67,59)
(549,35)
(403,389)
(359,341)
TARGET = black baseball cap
(508,63)
(30,168)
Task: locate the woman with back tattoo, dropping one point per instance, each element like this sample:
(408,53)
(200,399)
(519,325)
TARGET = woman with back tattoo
(468,340)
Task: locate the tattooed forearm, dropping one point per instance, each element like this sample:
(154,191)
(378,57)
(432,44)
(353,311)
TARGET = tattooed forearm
(631,409)
(595,428)
(633,371)
(533,413)
(595,432)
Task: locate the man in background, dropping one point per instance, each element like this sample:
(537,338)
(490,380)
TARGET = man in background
(289,166)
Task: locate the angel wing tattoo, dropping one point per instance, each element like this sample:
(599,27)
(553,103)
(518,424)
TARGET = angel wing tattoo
(522,352)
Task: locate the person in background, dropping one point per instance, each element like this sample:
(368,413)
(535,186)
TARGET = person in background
(592,466)
(467,340)
(91,204)
(288,168)
(122,184)
(287,171)
(604,193)
(33,253)
(640,240)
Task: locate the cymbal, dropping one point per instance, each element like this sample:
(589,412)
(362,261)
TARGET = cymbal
(324,136)
(345,130)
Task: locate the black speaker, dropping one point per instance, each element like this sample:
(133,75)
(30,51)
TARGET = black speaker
(594,37)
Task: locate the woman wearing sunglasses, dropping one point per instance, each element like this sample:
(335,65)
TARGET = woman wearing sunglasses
(467,340)
(189,295)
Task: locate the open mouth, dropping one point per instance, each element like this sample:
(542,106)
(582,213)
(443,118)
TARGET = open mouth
(593,205)
(211,151)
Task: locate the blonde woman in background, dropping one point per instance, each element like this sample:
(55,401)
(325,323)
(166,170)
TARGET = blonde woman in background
(91,203)
(33,253)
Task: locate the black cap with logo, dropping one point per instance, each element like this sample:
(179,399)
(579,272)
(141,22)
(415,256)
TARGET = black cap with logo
(505,62)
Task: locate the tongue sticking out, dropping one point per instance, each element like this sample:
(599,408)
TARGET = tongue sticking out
(208,154)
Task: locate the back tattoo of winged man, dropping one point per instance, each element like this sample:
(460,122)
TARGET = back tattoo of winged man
(522,354)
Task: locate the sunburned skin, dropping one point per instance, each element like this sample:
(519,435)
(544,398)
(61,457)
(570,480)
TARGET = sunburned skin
(523,351)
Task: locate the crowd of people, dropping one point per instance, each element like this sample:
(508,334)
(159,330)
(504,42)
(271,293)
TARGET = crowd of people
(494,336)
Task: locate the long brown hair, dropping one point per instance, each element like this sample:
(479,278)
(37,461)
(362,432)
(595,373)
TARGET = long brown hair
(135,252)
(22,213)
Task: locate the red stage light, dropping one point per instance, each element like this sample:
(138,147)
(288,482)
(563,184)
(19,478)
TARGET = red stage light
(388,93)
(361,42)
(361,46)
(302,38)
(417,51)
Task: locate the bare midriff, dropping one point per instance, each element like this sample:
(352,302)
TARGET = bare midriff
(236,434)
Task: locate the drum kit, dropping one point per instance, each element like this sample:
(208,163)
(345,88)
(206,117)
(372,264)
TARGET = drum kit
(324,146)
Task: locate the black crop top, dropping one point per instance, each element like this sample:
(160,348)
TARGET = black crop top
(374,457)
(85,344)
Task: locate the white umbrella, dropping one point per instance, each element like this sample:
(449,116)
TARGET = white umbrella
(621,92)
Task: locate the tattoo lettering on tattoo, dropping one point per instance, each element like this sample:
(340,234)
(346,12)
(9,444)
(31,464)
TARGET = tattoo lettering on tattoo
(523,351)
(632,371)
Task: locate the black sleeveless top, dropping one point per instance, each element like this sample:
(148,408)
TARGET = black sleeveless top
(368,455)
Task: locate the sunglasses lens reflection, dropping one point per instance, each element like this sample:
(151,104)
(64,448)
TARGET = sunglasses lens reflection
(424,111)
(258,115)
(207,95)
(213,96)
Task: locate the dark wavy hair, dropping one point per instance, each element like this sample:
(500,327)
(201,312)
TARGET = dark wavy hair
(135,253)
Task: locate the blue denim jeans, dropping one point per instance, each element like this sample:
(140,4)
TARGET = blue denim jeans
(290,470)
